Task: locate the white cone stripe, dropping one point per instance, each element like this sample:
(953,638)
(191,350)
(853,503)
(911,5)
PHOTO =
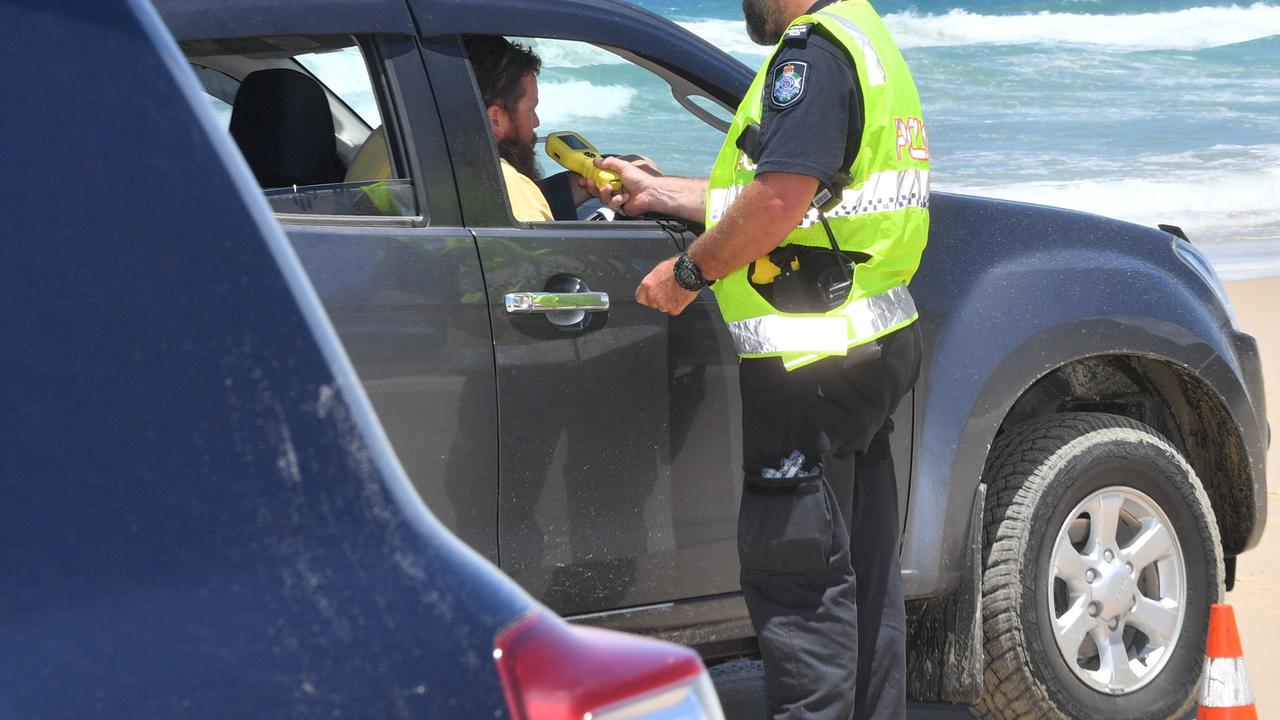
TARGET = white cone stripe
(1226,684)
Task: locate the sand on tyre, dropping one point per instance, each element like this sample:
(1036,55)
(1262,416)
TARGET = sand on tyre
(1101,559)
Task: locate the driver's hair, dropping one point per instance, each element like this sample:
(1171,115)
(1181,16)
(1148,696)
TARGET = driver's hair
(500,66)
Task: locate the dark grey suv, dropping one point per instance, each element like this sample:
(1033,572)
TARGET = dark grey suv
(1081,463)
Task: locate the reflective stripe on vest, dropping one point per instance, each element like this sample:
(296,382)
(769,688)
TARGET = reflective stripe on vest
(883,192)
(863,320)
(871,58)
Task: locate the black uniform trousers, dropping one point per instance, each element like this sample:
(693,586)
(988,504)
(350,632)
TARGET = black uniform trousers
(820,570)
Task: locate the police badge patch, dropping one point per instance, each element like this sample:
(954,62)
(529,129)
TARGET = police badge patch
(788,83)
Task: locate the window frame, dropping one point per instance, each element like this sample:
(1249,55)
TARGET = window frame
(448,59)
(376,65)
(390,60)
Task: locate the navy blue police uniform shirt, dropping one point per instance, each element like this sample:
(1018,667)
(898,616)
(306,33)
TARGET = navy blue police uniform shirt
(812,121)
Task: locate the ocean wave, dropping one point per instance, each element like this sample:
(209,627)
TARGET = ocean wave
(567,54)
(1200,199)
(1242,259)
(1191,29)
(728,35)
(561,102)
(1196,28)
(1258,51)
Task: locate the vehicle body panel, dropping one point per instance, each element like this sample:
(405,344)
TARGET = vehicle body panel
(396,302)
(203,517)
(619,448)
(1039,288)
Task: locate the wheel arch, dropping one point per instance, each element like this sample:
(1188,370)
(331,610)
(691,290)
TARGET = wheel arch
(1180,405)
(1194,393)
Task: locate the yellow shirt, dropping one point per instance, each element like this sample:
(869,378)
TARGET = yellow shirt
(371,162)
(528,204)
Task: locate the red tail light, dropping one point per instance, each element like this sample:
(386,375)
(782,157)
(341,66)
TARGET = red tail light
(551,670)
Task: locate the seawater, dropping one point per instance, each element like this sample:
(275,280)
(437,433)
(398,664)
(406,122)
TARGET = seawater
(1154,112)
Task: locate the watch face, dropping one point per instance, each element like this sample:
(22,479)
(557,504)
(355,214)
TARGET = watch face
(686,275)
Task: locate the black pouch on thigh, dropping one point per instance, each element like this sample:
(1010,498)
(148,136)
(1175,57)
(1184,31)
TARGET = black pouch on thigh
(785,524)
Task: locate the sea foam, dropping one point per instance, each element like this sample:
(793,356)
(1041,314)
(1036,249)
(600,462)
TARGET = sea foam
(567,54)
(1190,29)
(562,102)
(1240,204)
(728,35)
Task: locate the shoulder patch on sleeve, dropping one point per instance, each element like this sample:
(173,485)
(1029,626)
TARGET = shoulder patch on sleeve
(790,79)
(798,35)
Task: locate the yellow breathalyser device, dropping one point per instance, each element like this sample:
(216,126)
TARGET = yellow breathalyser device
(574,152)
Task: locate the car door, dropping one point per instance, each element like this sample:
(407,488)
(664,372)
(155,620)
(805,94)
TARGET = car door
(619,442)
(387,255)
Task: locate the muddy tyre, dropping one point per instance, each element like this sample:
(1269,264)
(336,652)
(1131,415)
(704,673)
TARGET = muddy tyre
(1101,559)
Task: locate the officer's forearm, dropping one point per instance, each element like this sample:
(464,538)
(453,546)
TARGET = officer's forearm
(681,197)
(768,210)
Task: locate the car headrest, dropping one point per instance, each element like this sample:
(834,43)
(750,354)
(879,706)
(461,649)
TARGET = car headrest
(282,122)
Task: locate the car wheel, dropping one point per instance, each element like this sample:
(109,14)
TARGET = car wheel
(1101,559)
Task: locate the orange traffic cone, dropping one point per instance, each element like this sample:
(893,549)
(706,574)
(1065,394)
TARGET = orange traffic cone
(1226,694)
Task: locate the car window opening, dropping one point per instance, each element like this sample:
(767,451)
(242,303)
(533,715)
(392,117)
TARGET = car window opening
(305,114)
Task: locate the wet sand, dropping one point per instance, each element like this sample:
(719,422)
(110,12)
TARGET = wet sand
(1257,594)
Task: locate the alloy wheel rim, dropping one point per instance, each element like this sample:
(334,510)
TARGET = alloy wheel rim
(1117,590)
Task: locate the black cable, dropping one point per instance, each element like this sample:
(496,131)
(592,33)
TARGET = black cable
(676,230)
(830,235)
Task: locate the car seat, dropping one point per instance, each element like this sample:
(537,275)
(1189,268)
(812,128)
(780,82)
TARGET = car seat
(283,125)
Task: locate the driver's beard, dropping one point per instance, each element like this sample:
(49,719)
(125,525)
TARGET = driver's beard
(760,15)
(521,157)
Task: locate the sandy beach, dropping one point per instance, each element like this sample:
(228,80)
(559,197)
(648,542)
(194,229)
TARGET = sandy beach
(1258,572)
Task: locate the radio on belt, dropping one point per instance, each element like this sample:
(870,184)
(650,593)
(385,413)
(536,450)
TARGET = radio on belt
(574,152)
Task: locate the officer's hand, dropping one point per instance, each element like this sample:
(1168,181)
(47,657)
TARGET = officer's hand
(640,185)
(638,161)
(661,292)
(583,189)
(644,163)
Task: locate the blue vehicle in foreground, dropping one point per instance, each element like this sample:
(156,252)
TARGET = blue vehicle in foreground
(202,517)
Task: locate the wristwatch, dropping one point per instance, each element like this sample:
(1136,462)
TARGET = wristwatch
(688,276)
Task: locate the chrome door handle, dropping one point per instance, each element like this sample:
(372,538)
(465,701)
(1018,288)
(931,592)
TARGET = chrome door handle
(528,303)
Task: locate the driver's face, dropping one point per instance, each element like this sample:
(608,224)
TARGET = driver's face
(525,119)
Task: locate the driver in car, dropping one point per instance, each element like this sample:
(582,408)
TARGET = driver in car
(507,74)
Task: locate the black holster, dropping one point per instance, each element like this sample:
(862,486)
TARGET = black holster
(822,282)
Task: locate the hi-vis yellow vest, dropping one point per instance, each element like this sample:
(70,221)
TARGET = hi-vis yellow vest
(884,211)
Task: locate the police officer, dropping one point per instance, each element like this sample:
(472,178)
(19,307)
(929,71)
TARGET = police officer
(817,216)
